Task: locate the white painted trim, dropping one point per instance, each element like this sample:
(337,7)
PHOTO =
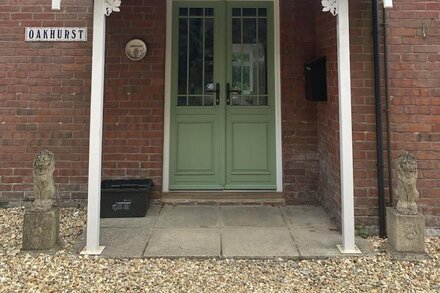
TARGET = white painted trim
(278,118)
(225,0)
(92,252)
(56,4)
(96,119)
(345,129)
(111,6)
(342,250)
(167,97)
(387,3)
(330,6)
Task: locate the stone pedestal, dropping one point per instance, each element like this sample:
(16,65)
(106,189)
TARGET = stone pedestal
(41,229)
(406,233)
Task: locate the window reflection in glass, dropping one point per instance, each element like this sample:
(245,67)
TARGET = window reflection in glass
(249,56)
(196,56)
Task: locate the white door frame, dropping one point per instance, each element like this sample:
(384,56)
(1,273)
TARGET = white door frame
(167,91)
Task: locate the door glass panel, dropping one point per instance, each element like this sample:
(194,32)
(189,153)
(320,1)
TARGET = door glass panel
(262,12)
(249,12)
(236,100)
(182,101)
(263,100)
(195,101)
(209,56)
(262,56)
(183,53)
(236,51)
(250,101)
(195,60)
(196,57)
(249,57)
(209,11)
(208,101)
(250,27)
(196,12)
(183,11)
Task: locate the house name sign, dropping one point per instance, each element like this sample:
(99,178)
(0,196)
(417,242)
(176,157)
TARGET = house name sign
(56,34)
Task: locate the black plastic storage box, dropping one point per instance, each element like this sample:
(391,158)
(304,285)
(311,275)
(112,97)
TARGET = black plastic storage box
(125,198)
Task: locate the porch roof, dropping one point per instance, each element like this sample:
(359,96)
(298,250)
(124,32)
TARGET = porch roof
(327,5)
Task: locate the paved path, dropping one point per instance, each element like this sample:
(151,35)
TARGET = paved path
(223,231)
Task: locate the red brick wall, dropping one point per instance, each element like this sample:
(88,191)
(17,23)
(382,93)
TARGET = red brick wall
(44,97)
(414,81)
(363,105)
(415,91)
(134,96)
(363,116)
(328,115)
(299,127)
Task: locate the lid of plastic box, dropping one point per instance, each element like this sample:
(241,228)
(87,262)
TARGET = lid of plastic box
(126,183)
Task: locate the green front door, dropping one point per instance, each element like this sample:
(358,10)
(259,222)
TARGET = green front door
(222,97)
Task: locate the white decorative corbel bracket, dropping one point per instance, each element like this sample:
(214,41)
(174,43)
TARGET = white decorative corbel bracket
(56,4)
(330,6)
(111,5)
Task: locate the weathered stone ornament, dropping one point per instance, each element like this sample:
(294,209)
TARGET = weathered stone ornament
(41,223)
(406,191)
(44,185)
(405,225)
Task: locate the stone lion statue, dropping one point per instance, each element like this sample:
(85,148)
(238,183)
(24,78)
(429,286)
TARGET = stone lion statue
(44,186)
(406,191)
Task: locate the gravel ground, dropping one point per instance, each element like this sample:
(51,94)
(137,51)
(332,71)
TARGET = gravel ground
(66,272)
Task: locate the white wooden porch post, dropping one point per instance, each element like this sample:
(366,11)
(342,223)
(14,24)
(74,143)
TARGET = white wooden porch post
(345,130)
(96,114)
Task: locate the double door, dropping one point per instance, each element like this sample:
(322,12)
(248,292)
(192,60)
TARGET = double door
(222,96)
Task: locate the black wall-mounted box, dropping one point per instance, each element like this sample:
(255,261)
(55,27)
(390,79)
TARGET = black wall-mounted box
(316,80)
(125,198)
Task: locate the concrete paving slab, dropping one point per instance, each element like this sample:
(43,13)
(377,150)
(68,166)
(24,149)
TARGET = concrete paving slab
(247,231)
(319,241)
(184,242)
(142,222)
(315,241)
(257,242)
(306,216)
(189,216)
(253,216)
(124,242)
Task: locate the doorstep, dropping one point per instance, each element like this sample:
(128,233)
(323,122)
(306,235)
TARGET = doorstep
(224,198)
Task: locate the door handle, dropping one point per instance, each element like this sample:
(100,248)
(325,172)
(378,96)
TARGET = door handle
(217,93)
(229,92)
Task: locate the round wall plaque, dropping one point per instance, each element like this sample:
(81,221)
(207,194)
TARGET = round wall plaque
(136,49)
